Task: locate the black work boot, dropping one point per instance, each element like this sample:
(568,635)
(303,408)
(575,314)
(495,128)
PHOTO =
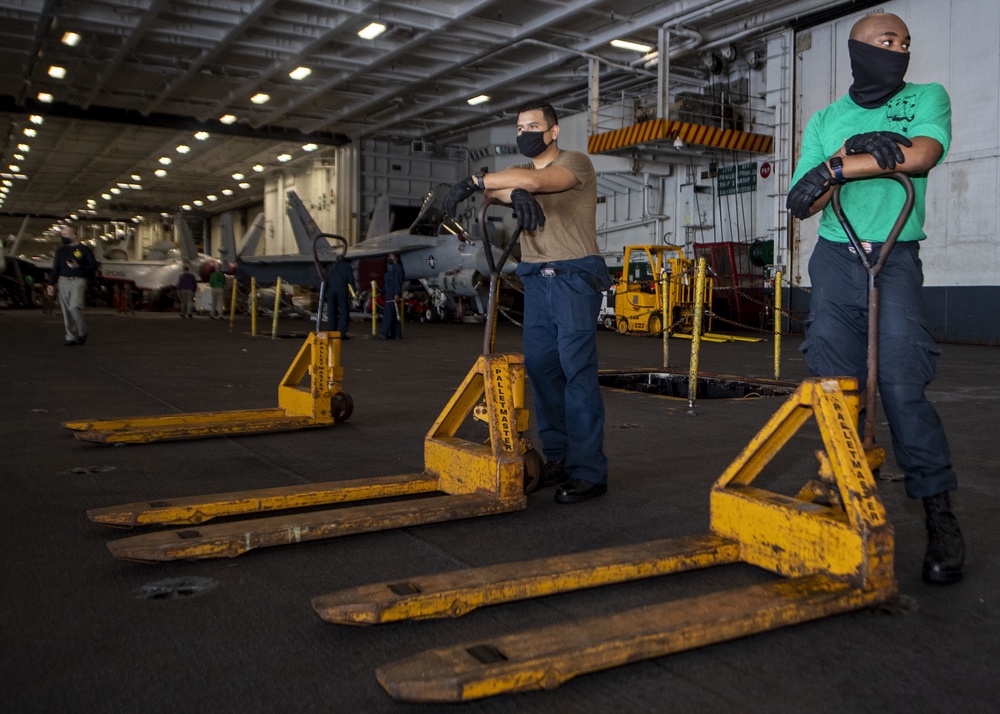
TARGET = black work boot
(945,548)
(555,474)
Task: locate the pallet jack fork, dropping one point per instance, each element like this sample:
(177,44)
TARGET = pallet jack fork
(471,478)
(831,544)
(834,555)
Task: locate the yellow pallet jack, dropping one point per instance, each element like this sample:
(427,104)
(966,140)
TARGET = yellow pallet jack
(473,478)
(831,544)
(322,403)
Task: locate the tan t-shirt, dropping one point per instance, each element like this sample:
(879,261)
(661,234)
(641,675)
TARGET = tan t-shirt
(570,229)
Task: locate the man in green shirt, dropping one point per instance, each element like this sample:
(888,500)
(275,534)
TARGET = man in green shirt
(217,282)
(884,124)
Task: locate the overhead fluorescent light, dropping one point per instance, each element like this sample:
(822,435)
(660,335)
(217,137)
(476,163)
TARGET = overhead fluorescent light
(201,135)
(186,207)
(300,73)
(23,147)
(36,119)
(238,176)
(260,98)
(634,46)
(165,160)
(106,196)
(14,168)
(284,157)
(115,190)
(19,157)
(29,132)
(258,168)
(136,177)
(160,173)
(70,38)
(212,197)
(183,149)
(244,185)
(371,31)
(198,202)
(44,97)
(57,72)
(309,147)
(227,192)
(227,119)
(479,99)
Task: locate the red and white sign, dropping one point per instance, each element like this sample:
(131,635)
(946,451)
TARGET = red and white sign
(765,169)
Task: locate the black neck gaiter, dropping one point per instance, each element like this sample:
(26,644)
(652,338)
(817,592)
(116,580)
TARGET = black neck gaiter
(878,73)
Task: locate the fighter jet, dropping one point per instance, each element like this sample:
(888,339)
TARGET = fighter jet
(435,250)
(162,264)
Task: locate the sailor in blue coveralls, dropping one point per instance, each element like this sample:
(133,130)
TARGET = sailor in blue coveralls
(392,328)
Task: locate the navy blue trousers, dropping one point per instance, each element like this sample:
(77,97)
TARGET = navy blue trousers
(390,329)
(836,345)
(338,310)
(560,357)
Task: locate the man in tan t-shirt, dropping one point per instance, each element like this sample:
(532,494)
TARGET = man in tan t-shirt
(555,199)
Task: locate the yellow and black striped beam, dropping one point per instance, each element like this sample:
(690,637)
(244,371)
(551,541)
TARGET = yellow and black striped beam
(693,134)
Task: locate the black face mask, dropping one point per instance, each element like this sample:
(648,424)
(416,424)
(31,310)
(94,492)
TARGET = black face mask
(532,143)
(878,73)
(66,240)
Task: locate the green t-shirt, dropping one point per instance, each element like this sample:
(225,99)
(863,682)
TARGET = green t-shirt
(872,205)
(217,279)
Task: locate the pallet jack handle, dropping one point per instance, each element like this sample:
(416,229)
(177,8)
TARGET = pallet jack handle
(873,269)
(489,338)
(325,272)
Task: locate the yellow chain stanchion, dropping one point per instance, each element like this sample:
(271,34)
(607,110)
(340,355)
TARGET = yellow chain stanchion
(232,308)
(253,307)
(699,302)
(777,325)
(374,304)
(277,309)
(667,312)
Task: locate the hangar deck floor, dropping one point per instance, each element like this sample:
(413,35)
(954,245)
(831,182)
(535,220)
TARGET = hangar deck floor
(77,637)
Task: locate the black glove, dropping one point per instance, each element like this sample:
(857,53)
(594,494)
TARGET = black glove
(809,188)
(458,193)
(529,213)
(883,145)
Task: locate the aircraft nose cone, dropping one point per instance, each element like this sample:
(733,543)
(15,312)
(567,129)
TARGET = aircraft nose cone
(206,269)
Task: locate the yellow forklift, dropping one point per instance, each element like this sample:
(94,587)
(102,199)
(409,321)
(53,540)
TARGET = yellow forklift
(641,302)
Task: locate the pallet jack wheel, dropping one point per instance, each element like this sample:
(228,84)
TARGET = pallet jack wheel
(534,468)
(343,406)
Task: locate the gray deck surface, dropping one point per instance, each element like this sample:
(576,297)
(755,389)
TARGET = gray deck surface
(77,638)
